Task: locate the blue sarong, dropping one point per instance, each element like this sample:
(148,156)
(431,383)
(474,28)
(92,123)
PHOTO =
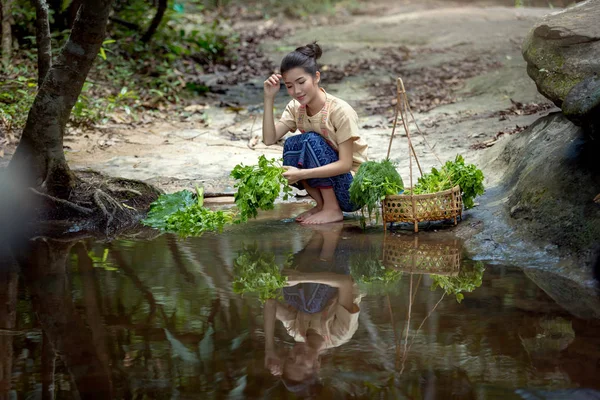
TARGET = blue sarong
(310,150)
(313,297)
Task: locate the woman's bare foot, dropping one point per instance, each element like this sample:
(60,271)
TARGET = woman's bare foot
(324,216)
(302,217)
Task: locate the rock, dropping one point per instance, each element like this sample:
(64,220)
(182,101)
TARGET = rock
(542,213)
(583,100)
(562,50)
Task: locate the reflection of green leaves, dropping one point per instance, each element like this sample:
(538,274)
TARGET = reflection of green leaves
(101,262)
(258,187)
(371,275)
(256,272)
(469,278)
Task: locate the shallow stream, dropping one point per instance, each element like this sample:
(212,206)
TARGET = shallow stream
(158,319)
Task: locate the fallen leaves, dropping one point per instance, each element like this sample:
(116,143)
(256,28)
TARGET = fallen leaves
(492,141)
(517,109)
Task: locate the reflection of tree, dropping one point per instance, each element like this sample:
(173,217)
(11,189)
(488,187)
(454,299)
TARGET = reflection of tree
(44,266)
(8,316)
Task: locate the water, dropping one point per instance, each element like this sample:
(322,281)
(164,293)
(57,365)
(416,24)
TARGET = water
(158,319)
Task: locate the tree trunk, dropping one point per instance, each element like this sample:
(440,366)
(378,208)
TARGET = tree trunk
(160,12)
(42,37)
(40,153)
(6,32)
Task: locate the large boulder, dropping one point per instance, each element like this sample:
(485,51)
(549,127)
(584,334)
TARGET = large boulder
(563,58)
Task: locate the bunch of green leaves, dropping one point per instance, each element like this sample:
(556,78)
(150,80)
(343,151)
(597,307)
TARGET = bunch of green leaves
(258,186)
(467,176)
(373,181)
(166,205)
(196,219)
(185,214)
(255,271)
(469,278)
(371,275)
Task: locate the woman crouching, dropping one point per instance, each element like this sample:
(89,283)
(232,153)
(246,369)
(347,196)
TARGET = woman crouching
(323,158)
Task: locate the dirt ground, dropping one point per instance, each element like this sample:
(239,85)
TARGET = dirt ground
(461,64)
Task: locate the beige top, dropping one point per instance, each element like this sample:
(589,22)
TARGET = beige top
(335,323)
(336,122)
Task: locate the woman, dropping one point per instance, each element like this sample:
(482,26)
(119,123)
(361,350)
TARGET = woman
(324,157)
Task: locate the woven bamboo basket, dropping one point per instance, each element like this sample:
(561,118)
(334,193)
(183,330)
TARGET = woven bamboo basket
(422,256)
(415,208)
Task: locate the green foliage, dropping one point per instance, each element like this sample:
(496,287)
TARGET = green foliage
(166,205)
(467,176)
(371,275)
(469,278)
(256,272)
(373,181)
(91,109)
(16,98)
(101,262)
(258,186)
(182,214)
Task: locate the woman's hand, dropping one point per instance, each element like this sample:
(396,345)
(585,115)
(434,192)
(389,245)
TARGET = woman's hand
(293,277)
(273,363)
(293,174)
(272,85)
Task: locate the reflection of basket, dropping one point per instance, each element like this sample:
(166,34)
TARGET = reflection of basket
(421,207)
(422,256)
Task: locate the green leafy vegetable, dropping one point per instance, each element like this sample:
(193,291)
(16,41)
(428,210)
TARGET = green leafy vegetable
(166,205)
(469,278)
(195,220)
(467,176)
(258,186)
(373,181)
(182,214)
(256,272)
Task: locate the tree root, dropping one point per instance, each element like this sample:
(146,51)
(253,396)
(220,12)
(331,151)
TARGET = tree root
(99,198)
(66,203)
(125,190)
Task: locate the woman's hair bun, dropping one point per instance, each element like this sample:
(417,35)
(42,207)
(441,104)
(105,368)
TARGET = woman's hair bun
(312,50)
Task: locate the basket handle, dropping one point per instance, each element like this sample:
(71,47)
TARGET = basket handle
(401,106)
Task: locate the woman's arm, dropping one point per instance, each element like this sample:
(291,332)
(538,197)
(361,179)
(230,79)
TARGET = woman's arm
(342,166)
(272,131)
(272,361)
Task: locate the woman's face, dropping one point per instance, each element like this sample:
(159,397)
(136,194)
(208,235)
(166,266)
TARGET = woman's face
(301,85)
(301,362)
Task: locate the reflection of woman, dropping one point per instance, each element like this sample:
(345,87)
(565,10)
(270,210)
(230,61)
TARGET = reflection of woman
(320,319)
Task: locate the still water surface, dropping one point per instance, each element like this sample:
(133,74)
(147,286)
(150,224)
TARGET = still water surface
(157,319)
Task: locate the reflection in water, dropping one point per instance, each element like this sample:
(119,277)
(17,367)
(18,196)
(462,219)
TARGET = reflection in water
(320,312)
(158,319)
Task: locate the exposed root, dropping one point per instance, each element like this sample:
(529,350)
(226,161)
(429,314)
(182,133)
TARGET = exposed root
(66,203)
(99,198)
(97,205)
(130,191)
